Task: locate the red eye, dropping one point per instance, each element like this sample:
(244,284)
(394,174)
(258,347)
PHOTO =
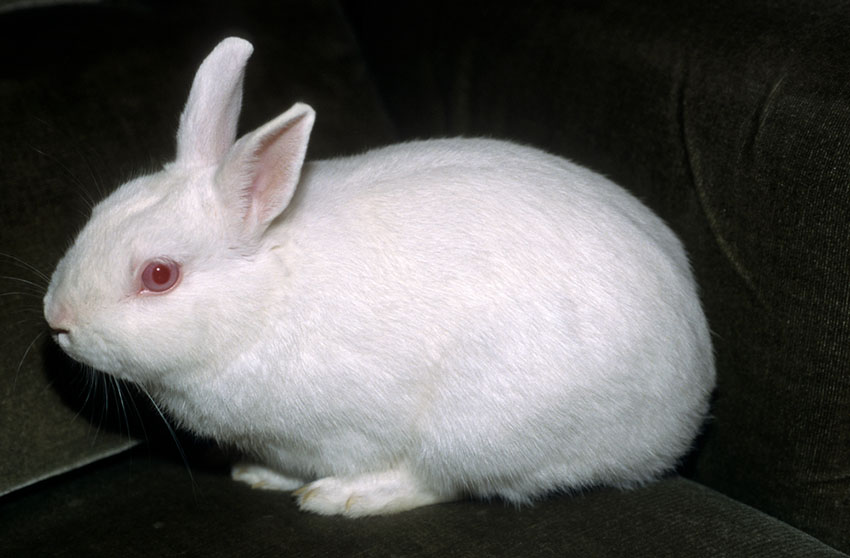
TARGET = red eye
(160,275)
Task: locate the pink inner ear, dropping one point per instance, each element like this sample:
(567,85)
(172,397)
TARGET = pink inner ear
(263,168)
(275,173)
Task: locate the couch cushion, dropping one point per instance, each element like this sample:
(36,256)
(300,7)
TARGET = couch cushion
(731,120)
(164,511)
(90,95)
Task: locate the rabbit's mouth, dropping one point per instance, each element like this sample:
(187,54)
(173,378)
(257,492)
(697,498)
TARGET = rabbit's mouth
(61,338)
(69,343)
(89,349)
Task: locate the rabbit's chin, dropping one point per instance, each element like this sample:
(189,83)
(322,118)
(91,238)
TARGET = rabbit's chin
(93,354)
(102,355)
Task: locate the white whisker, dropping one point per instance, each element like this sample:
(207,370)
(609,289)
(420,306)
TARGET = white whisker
(29,267)
(117,387)
(173,436)
(22,293)
(37,288)
(81,189)
(24,357)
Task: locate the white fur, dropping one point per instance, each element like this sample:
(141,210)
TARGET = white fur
(423,321)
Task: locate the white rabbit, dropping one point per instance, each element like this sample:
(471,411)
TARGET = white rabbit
(426,321)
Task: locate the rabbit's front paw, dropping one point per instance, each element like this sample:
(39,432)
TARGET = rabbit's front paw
(263,478)
(368,494)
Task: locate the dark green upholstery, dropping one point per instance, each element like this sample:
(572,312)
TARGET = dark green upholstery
(730,119)
(139,506)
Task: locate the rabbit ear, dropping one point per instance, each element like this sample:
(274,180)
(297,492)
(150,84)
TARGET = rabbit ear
(259,175)
(208,123)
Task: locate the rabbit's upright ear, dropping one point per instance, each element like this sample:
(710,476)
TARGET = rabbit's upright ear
(208,123)
(259,175)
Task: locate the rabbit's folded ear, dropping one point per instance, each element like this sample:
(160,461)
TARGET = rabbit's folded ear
(208,123)
(261,171)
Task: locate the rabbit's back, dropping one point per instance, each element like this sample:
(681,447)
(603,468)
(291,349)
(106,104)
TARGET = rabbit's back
(464,219)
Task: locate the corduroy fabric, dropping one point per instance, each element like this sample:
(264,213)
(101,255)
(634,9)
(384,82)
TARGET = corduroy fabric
(143,505)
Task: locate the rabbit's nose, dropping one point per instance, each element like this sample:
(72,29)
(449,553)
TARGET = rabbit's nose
(58,319)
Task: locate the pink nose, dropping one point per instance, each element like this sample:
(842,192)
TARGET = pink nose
(58,318)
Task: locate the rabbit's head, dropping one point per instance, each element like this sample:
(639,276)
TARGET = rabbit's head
(165,270)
